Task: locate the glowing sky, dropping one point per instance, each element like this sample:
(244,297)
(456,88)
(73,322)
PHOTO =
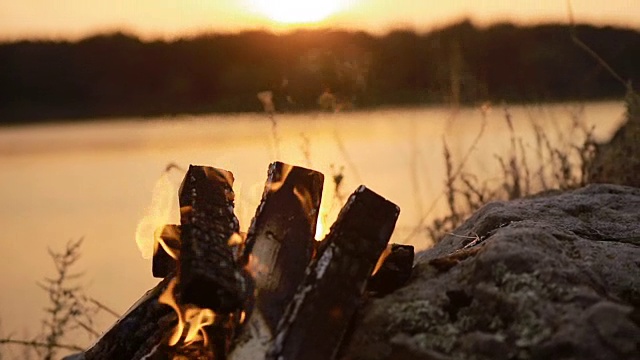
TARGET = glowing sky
(172,18)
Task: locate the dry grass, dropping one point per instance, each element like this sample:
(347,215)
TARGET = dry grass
(69,315)
(561,166)
(565,166)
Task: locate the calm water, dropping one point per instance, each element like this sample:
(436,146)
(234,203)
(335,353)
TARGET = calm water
(95,180)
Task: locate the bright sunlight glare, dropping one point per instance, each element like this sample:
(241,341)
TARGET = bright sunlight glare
(297,11)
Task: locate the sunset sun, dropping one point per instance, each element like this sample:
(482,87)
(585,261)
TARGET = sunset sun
(297,11)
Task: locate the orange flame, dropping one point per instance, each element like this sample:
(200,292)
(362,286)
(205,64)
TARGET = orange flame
(197,319)
(322,227)
(320,232)
(191,318)
(381,259)
(235,240)
(168,232)
(272,186)
(304,197)
(161,211)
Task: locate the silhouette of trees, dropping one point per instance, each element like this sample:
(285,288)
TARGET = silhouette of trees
(118,74)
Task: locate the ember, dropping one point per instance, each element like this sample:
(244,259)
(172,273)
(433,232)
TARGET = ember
(275,293)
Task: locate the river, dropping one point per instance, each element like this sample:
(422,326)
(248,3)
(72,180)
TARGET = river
(94,179)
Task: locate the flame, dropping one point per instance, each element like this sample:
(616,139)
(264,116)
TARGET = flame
(219,175)
(306,201)
(304,197)
(197,319)
(321,231)
(168,298)
(160,212)
(236,243)
(168,232)
(322,225)
(235,240)
(329,206)
(381,259)
(190,317)
(272,186)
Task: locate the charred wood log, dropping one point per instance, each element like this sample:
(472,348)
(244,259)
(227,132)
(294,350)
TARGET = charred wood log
(192,339)
(209,276)
(281,236)
(301,308)
(163,263)
(395,267)
(315,321)
(139,330)
(279,247)
(144,333)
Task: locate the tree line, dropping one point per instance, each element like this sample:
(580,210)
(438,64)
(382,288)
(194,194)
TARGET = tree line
(120,75)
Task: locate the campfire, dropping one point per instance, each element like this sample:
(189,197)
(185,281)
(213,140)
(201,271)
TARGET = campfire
(274,293)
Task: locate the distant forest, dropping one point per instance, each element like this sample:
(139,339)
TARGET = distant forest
(121,75)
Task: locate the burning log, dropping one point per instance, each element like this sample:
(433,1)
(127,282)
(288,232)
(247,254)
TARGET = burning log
(315,321)
(149,330)
(166,251)
(393,269)
(199,334)
(279,247)
(302,305)
(139,330)
(208,274)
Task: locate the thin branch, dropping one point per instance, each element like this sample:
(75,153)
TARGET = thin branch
(345,155)
(40,344)
(102,306)
(88,328)
(475,142)
(455,174)
(476,237)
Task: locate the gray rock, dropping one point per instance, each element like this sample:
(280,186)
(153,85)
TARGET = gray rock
(556,276)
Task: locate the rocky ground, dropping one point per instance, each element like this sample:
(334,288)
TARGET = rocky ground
(556,276)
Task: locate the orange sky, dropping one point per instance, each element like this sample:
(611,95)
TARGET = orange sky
(172,18)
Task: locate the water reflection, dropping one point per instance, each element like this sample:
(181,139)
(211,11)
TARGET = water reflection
(94,180)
